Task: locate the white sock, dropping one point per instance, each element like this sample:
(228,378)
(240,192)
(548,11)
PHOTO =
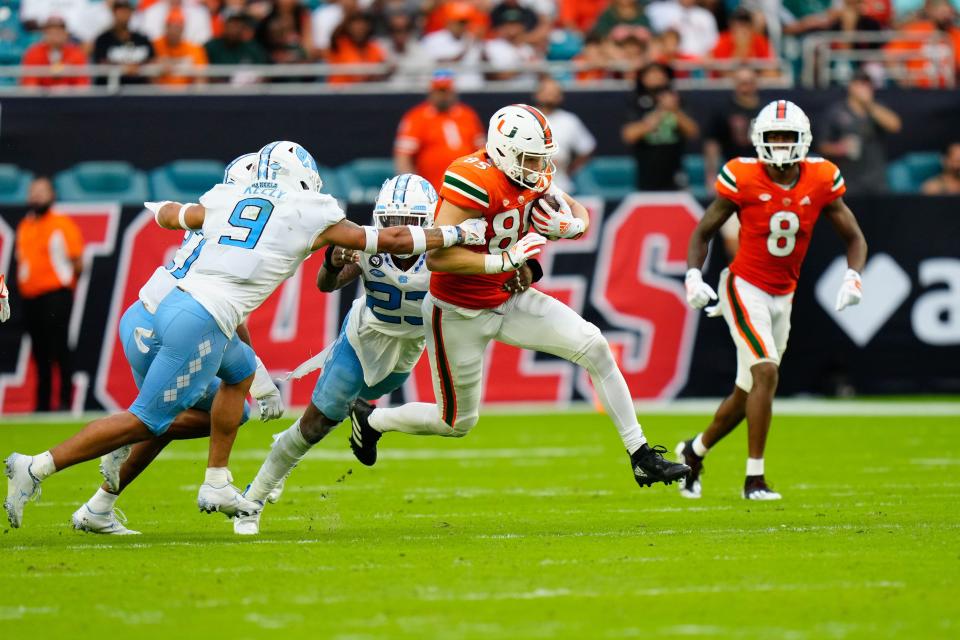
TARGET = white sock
(102,502)
(614,395)
(698,447)
(284,455)
(42,466)
(417,418)
(754,466)
(217,476)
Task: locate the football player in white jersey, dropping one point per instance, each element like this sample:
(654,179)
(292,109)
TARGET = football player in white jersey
(380,340)
(121,467)
(254,239)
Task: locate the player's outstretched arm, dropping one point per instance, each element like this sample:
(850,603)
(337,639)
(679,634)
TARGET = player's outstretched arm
(174,215)
(843,220)
(339,268)
(403,240)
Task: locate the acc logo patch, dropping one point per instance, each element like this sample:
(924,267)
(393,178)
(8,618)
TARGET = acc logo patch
(376,261)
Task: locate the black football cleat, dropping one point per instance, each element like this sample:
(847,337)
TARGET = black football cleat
(649,466)
(363,437)
(755,488)
(690,487)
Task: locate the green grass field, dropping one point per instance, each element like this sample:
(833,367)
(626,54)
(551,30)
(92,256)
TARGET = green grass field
(531,527)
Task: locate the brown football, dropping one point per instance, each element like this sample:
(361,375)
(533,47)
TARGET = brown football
(551,201)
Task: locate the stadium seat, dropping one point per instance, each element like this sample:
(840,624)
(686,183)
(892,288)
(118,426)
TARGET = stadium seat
(907,173)
(610,177)
(331,182)
(102,182)
(564,45)
(361,179)
(185,180)
(13,184)
(694,169)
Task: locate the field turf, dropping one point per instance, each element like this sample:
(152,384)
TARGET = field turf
(531,527)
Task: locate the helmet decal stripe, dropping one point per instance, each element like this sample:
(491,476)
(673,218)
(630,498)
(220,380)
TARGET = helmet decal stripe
(781,109)
(264,165)
(542,121)
(400,189)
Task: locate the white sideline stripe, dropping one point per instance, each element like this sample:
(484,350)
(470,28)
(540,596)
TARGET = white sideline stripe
(405,454)
(685,406)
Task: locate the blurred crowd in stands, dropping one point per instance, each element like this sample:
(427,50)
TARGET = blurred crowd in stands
(608,38)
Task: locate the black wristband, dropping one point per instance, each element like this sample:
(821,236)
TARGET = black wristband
(536,271)
(328,260)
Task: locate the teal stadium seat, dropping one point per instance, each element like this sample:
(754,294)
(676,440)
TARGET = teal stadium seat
(102,182)
(13,184)
(564,45)
(610,177)
(693,167)
(907,173)
(331,182)
(185,180)
(361,179)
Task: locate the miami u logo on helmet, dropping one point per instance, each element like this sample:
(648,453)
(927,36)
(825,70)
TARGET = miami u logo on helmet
(500,129)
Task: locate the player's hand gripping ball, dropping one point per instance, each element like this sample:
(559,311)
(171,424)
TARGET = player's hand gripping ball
(553,218)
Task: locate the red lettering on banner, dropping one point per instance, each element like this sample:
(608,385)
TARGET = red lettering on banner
(637,288)
(98,226)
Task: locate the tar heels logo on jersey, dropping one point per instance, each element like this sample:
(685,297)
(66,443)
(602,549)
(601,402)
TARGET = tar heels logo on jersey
(403,279)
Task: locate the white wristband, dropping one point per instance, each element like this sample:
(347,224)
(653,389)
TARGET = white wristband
(373,237)
(182,216)
(450,235)
(262,382)
(494,264)
(419,239)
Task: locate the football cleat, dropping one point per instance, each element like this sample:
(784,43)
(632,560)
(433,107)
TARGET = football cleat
(110,466)
(755,488)
(112,522)
(247,525)
(226,499)
(690,487)
(363,437)
(22,486)
(649,466)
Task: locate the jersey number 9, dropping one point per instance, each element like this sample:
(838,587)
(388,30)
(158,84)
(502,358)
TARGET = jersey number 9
(249,218)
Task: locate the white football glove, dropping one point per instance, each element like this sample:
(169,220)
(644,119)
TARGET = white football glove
(4,300)
(556,224)
(699,293)
(512,259)
(851,291)
(267,394)
(474,231)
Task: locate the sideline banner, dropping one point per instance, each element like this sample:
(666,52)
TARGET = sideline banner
(625,275)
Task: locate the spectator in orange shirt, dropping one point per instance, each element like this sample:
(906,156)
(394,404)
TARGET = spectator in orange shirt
(741,41)
(580,15)
(436,132)
(353,43)
(929,69)
(56,52)
(176,53)
(49,261)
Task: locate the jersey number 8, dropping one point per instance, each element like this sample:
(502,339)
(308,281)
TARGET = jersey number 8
(783,233)
(507,229)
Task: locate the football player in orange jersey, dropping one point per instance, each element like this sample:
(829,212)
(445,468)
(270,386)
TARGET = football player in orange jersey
(468,305)
(778,197)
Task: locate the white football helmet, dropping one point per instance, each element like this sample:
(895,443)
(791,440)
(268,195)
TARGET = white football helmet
(781,115)
(290,165)
(520,144)
(405,199)
(241,170)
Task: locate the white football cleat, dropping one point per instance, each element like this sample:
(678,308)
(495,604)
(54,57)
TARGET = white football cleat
(690,486)
(247,525)
(110,466)
(21,487)
(226,499)
(111,522)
